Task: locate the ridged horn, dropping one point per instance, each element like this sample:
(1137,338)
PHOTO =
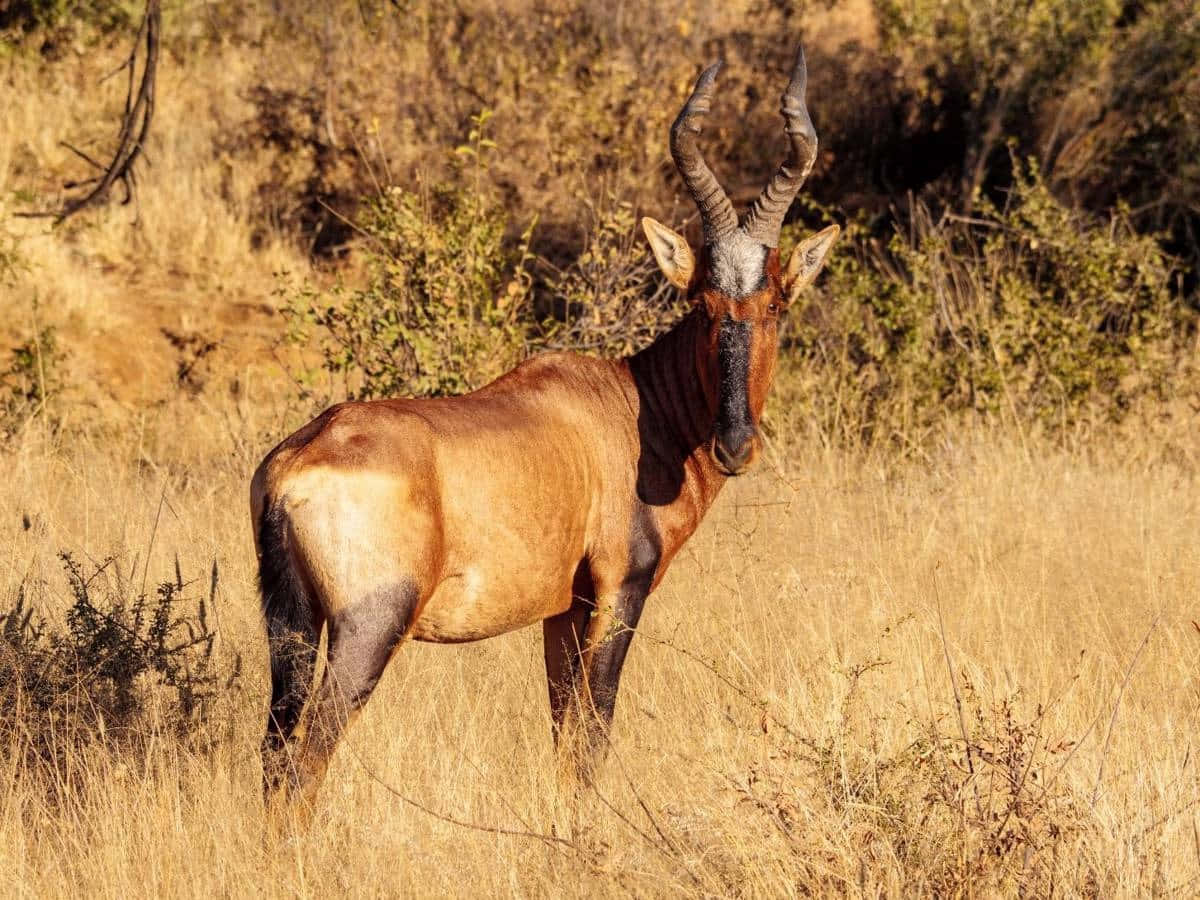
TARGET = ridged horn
(765,217)
(716,212)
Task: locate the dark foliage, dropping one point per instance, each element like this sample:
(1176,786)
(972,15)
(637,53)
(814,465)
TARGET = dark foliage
(118,668)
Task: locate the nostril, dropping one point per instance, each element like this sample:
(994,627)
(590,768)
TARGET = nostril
(733,460)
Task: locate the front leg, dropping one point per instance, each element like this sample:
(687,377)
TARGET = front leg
(585,650)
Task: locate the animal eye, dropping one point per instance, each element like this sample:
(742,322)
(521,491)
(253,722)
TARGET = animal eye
(772,308)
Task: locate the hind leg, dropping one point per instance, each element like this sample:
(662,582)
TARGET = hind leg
(294,625)
(563,638)
(362,638)
(293,649)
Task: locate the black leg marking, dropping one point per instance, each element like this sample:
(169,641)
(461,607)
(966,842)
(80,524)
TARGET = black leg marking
(608,658)
(590,696)
(608,655)
(563,637)
(362,638)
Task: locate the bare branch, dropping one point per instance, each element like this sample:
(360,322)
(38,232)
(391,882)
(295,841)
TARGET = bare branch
(87,159)
(135,124)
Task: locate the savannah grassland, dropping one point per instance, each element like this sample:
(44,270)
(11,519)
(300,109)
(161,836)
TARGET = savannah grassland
(943,640)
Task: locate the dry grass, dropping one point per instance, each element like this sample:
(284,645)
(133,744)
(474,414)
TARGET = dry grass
(181,258)
(787,722)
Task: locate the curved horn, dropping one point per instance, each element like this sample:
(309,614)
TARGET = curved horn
(716,212)
(765,217)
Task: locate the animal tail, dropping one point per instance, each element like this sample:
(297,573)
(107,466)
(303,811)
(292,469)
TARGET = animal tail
(293,632)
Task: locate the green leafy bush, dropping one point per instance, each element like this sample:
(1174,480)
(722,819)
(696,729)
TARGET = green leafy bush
(445,307)
(1032,311)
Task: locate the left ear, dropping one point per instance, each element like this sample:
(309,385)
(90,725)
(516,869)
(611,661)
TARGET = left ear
(806,261)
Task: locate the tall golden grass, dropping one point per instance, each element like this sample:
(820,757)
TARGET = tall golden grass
(974,675)
(968,671)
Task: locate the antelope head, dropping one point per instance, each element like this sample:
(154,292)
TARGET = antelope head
(738,283)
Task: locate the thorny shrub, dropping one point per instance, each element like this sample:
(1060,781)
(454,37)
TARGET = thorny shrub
(120,667)
(1105,94)
(987,65)
(970,808)
(1131,132)
(960,795)
(611,300)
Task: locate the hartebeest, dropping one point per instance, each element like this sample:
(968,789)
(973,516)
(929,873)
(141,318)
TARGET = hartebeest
(558,493)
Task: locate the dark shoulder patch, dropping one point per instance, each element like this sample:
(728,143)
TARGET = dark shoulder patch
(645,552)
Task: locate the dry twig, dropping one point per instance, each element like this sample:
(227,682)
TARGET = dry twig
(135,124)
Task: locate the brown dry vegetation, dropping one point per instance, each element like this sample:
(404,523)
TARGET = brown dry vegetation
(942,643)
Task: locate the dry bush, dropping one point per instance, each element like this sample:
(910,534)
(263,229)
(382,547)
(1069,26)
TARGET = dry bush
(611,300)
(1103,94)
(560,85)
(957,811)
(450,303)
(1129,132)
(986,67)
(120,670)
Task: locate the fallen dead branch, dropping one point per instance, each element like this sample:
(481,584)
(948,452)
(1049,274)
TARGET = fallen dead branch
(135,124)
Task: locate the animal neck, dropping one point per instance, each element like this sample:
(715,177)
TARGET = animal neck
(676,411)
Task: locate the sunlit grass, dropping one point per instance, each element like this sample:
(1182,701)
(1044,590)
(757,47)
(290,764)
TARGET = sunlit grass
(787,719)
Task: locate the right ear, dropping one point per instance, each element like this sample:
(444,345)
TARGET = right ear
(806,261)
(672,252)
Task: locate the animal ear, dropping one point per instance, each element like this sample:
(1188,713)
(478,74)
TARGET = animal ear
(806,261)
(672,252)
